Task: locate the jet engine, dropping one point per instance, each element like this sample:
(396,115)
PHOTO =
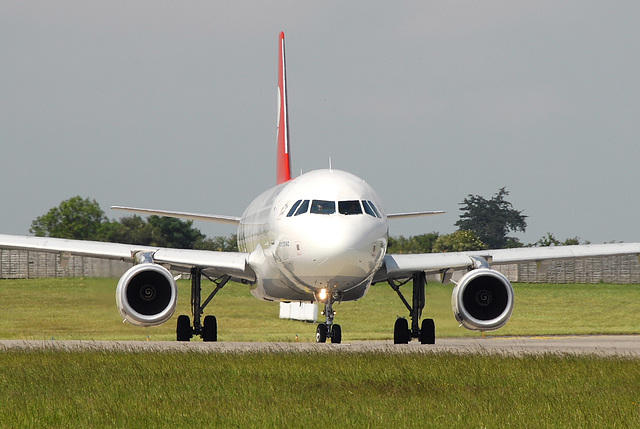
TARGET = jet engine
(146,295)
(482,300)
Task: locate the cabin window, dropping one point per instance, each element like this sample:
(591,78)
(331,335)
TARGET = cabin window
(351,207)
(323,207)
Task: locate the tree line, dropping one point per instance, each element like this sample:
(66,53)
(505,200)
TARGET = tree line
(83,219)
(483,224)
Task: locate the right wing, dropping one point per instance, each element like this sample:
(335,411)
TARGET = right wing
(233,264)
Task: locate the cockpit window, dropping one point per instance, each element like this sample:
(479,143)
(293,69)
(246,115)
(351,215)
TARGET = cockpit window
(293,208)
(323,207)
(351,207)
(375,209)
(371,209)
(367,208)
(347,207)
(303,208)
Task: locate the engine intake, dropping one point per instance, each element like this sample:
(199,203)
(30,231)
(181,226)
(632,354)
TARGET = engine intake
(147,295)
(482,300)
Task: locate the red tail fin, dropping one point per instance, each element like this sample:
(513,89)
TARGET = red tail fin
(283,162)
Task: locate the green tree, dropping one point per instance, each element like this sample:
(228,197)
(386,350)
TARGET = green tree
(414,244)
(83,219)
(459,241)
(129,230)
(551,240)
(172,232)
(492,219)
(75,218)
(220,244)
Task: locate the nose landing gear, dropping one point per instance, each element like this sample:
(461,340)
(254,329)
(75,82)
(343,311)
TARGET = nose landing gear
(329,329)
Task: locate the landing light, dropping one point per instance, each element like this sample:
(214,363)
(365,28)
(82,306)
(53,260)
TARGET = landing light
(322,295)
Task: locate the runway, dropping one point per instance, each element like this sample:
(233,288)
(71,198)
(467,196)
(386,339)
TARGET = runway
(627,346)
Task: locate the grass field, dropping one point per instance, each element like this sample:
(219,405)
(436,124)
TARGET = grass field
(85,309)
(295,390)
(266,390)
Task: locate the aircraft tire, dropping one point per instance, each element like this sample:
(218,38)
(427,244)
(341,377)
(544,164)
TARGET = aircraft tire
(401,331)
(336,334)
(428,332)
(321,333)
(210,329)
(183,328)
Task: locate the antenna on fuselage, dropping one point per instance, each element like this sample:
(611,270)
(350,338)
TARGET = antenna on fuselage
(330,168)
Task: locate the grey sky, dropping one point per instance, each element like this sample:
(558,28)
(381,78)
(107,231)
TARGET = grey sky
(172,105)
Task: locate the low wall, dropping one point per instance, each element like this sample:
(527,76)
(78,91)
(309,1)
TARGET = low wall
(23,264)
(607,269)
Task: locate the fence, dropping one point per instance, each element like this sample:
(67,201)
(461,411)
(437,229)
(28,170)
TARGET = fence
(23,264)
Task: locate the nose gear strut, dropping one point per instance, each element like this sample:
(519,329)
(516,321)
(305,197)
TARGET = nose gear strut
(329,329)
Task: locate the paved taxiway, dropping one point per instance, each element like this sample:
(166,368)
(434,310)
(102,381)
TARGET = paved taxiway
(600,345)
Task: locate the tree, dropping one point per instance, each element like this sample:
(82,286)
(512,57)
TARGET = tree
(550,240)
(459,241)
(492,219)
(415,244)
(220,244)
(172,232)
(129,230)
(83,219)
(75,218)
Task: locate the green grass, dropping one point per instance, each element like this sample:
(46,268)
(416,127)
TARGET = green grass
(271,390)
(85,309)
(97,389)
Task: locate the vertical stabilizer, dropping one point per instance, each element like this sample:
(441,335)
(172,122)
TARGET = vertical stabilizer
(283,161)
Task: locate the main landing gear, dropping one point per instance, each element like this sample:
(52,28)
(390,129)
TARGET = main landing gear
(209,329)
(426,333)
(329,329)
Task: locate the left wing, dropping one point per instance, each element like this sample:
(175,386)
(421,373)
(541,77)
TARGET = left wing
(405,265)
(483,298)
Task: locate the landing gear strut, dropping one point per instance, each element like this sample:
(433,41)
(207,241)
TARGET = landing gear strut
(209,330)
(426,333)
(329,329)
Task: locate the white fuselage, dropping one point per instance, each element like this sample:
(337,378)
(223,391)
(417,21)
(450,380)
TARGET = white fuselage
(323,230)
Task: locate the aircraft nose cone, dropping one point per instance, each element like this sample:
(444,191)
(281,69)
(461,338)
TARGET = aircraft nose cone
(338,254)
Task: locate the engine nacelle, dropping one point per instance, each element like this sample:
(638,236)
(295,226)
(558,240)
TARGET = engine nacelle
(147,295)
(482,300)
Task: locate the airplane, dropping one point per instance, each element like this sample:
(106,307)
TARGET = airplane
(319,237)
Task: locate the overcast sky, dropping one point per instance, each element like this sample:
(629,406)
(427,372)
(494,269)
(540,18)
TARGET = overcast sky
(172,105)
